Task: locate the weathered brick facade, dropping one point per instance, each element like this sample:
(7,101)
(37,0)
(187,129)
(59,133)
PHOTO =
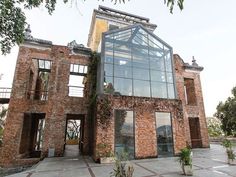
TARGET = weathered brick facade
(56,108)
(188,122)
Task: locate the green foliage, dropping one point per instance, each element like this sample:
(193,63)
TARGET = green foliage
(13,20)
(185,156)
(3,112)
(122,167)
(171,4)
(214,127)
(226,112)
(227,144)
(104,150)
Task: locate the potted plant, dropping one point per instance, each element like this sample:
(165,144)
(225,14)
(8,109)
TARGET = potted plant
(227,144)
(104,153)
(122,168)
(185,160)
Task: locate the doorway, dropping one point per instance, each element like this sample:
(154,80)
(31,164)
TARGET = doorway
(32,135)
(74,135)
(195,134)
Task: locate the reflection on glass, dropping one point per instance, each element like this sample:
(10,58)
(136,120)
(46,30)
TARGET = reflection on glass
(164,134)
(124,132)
(137,55)
(159,90)
(141,88)
(108,69)
(158,76)
(123,86)
(142,74)
(122,71)
(171,92)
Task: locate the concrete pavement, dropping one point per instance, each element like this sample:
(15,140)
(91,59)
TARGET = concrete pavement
(206,163)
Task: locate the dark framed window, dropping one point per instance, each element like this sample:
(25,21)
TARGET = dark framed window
(124,133)
(164,134)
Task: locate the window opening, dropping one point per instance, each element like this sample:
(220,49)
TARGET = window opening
(189,88)
(77,79)
(39,79)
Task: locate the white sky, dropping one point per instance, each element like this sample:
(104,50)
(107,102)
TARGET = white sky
(205,29)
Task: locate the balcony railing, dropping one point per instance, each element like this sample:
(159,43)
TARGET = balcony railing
(5,94)
(76,91)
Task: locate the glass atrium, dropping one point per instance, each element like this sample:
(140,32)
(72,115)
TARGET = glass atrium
(136,63)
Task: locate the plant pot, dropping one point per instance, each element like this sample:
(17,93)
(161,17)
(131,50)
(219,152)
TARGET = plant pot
(232,161)
(104,160)
(187,169)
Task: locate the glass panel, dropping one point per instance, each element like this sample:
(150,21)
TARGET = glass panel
(171,91)
(75,68)
(140,58)
(168,62)
(123,86)
(141,88)
(123,71)
(159,90)
(81,69)
(158,76)
(85,69)
(108,69)
(108,58)
(108,85)
(41,64)
(164,134)
(47,64)
(169,77)
(141,74)
(124,133)
(157,63)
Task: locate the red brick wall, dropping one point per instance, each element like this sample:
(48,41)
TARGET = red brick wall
(56,107)
(145,124)
(196,110)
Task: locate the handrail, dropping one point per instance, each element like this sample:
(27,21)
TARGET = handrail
(5,92)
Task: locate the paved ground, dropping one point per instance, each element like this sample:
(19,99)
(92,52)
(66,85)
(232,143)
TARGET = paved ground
(206,163)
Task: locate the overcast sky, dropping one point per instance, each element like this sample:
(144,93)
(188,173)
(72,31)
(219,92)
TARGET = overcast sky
(205,29)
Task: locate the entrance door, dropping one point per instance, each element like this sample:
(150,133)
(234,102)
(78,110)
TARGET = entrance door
(195,135)
(74,135)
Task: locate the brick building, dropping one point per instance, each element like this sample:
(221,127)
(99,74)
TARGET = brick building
(136,96)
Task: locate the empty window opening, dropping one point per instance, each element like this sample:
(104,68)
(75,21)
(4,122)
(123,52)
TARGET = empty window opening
(32,135)
(77,80)
(39,79)
(189,88)
(195,134)
(74,135)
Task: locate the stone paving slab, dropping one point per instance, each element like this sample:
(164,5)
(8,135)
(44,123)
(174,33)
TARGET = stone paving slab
(206,163)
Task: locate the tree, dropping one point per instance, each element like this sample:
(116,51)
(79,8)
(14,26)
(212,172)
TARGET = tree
(226,112)
(3,112)
(13,20)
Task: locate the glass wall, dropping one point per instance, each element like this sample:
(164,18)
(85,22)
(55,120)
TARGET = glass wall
(164,134)
(136,63)
(124,132)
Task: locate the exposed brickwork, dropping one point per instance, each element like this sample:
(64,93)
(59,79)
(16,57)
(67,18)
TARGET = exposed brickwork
(196,110)
(145,125)
(58,105)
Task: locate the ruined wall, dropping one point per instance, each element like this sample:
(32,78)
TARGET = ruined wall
(145,123)
(191,110)
(58,105)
